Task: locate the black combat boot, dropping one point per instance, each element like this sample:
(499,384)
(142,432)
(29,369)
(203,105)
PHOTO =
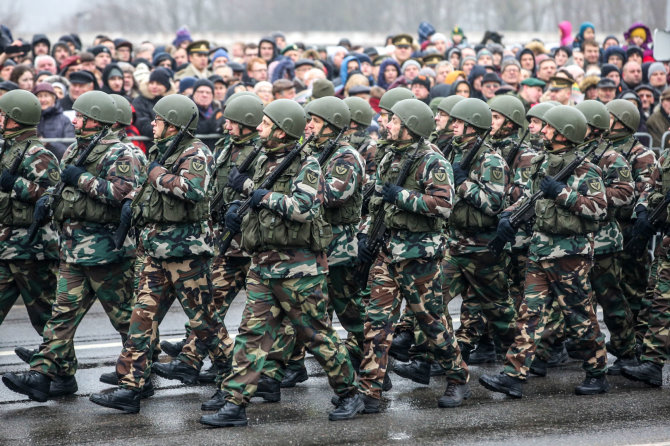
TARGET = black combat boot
(559,355)
(25,354)
(593,385)
(400,346)
(418,371)
(647,372)
(217,368)
(125,400)
(294,376)
(484,353)
(173,349)
(177,369)
(228,416)
(63,385)
(387,384)
(538,367)
(436,369)
(372,405)
(454,395)
(113,379)
(269,389)
(34,384)
(503,384)
(216,402)
(465,351)
(615,369)
(348,408)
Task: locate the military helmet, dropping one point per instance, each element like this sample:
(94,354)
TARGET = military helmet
(288,115)
(626,112)
(539,110)
(96,105)
(331,109)
(596,114)
(510,107)
(124,112)
(361,112)
(21,106)
(446,104)
(246,110)
(416,116)
(238,94)
(473,112)
(394,95)
(177,110)
(568,121)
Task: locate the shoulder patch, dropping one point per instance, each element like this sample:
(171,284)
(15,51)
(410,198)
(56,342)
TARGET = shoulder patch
(624,173)
(311,179)
(440,175)
(526,172)
(123,167)
(497,174)
(196,166)
(594,184)
(340,170)
(54,175)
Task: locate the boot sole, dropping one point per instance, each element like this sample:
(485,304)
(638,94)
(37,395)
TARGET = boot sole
(63,392)
(206,379)
(185,379)
(652,382)
(300,379)
(144,394)
(122,407)
(419,381)
(209,420)
(270,397)
(340,417)
(30,392)
(499,389)
(591,392)
(536,372)
(446,404)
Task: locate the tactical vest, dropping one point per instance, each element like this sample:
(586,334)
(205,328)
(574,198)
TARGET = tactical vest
(15,212)
(223,170)
(75,203)
(350,211)
(265,230)
(550,217)
(153,206)
(394,216)
(465,216)
(625,213)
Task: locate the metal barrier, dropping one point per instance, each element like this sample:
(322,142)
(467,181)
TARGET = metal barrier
(664,137)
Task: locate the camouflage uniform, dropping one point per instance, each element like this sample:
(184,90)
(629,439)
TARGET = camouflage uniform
(367,148)
(409,265)
(27,269)
(90,265)
(286,282)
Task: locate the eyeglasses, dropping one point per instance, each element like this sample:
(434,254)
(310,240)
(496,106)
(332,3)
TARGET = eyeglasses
(158,119)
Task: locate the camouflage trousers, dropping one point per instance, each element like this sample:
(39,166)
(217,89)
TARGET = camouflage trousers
(417,282)
(481,280)
(161,281)
(35,282)
(635,275)
(77,288)
(565,280)
(228,277)
(656,343)
(303,303)
(516,278)
(642,322)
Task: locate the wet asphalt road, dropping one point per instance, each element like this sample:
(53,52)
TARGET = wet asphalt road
(548,414)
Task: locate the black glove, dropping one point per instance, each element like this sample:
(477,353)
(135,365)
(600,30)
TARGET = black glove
(460,174)
(152,165)
(257,197)
(364,253)
(233,221)
(551,187)
(667,195)
(390,192)
(236,180)
(41,212)
(71,175)
(505,230)
(126,213)
(642,228)
(7,181)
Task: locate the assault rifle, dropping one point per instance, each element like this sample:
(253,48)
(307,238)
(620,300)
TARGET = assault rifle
(330,148)
(512,153)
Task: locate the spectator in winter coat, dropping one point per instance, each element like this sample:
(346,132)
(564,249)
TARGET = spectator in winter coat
(54,124)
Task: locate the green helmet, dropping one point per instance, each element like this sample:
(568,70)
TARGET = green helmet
(510,107)
(596,114)
(177,110)
(238,94)
(539,110)
(246,110)
(124,112)
(391,97)
(21,106)
(96,105)
(446,104)
(624,111)
(361,112)
(416,116)
(568,121)
(331,109)
(288,115)
(473,112)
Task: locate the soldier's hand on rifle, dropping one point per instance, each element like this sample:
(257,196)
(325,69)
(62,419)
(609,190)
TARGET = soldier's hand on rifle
(71,175)
(236,179)
(505,229)
(551,187)
(364,253)
(643,228)
(41,211)
(257,197)
(233,221)
(460,174)
(7,180)
(126,212)
(390,192)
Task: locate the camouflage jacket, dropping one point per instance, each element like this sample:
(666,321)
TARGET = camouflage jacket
(302,205)
(433,198)
(37,171)
(654,197)
(187,179)
(536,141)
(484,189)
(90,243)
(343,175)
(367,148)
(442,139)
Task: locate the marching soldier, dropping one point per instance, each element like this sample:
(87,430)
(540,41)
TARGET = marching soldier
(357,134)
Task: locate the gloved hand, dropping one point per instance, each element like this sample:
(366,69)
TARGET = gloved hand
(126,213)
(257,197)
(390,192)
(642,228)
(152,165)
(41,212)
(505,229)
(7,181)
(236,179)
(667,195)
(233,221)
(71,175)
(364,254)
(551,187)
(460,174)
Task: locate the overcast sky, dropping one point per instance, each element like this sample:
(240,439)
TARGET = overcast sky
(42,15)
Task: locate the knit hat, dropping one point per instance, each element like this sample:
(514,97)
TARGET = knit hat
(408,63)
(608,68)
(438,37)
(219,53)
(182,36)
(44,86)
(185,83)
(425,31)
(509,61)
(203,83)
(656,67)
(421,80)
(161,75)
